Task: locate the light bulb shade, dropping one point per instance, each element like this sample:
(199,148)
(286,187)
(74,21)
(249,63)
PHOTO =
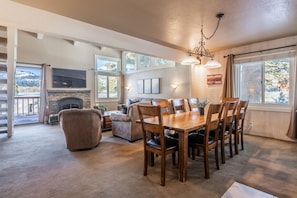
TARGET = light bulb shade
(212,64)
(190,60)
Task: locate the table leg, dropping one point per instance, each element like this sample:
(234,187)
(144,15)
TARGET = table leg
(183,156)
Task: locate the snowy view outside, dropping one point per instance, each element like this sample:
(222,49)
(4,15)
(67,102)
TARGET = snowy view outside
(27,90)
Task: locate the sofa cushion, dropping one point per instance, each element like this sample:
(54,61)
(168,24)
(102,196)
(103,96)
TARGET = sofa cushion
(135,100)
(120,117)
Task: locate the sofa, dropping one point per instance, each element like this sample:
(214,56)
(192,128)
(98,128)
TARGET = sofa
(125,125)
(82,128)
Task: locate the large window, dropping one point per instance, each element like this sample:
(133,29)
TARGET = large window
(136,62)
(108,77)
(265,82)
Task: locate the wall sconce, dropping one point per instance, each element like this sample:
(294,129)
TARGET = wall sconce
(174,86)
(128,88)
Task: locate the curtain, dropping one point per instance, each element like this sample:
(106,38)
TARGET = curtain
(292,132)
(228,87)
(43,95)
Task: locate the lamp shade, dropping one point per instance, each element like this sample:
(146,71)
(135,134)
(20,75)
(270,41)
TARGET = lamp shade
(190,60)
(212,64)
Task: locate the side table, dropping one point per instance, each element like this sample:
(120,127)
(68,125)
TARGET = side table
(107,124)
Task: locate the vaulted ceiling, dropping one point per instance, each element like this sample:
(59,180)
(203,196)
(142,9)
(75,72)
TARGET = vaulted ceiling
(177,23)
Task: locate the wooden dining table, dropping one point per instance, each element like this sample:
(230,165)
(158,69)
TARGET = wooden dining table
(183,123)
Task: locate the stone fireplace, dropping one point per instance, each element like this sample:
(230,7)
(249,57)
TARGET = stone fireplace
(63,99)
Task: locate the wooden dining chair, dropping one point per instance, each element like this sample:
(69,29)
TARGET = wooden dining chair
(193,104)
(166,109)
(239,122)
(178,105)
(208,139)
(164,104)
(154,140)
(226,126)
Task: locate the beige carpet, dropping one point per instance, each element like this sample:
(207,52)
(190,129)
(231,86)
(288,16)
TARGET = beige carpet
(36,163)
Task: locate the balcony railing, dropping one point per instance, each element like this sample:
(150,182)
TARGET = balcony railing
(26,105)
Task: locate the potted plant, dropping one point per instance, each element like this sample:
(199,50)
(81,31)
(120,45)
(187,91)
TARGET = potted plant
(101,107)
(201,104)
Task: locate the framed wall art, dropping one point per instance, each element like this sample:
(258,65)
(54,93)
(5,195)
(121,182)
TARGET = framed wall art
(147,86)
(155,85)
(214,79)
(140,86)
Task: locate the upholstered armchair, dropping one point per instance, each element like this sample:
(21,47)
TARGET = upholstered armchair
(125,125)
(82,128)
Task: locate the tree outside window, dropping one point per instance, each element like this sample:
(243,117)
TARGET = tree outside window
(265,82)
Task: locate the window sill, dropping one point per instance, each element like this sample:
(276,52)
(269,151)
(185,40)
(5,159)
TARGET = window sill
(270,108)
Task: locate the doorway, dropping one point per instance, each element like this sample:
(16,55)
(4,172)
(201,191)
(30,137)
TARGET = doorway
(27,93)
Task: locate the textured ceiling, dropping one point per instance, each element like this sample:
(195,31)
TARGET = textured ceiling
(177,23)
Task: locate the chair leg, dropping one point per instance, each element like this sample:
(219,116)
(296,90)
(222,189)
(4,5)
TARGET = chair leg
(163,167)
(236,142)
(223,150)
(217,158)
(206,164)
(151,158)
(241,136)
(173,159)
(230,146)
(145,163)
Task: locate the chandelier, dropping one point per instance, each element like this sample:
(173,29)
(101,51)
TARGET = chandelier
(200,51)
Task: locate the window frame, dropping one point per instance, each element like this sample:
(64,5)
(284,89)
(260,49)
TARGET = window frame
(108,74)
(268,106)
(153,63)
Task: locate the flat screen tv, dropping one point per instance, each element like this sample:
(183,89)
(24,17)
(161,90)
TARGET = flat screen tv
(68,78)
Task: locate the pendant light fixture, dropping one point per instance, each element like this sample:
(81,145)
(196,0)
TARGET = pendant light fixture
(200,51)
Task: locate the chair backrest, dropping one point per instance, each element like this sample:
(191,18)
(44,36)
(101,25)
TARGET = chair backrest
(240,113)
(178,105)
(82,127)
(212,120)
(193,104)
(228,114)
(152,129)
(164,104)
(230,99)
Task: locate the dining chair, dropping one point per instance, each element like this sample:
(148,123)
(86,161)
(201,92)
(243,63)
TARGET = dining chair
(226,127)
(166,109)
(178,105)
(154,140)
(193,104)
(164,104)
(207,140)
(239,122)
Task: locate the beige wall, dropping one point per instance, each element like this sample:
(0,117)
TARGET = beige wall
(60,53)
(179,75)
(265,122)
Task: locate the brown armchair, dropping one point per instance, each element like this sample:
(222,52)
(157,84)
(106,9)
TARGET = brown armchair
(82,128)
(125,125)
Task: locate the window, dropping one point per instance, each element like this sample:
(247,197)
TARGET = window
(108,77)
(136,62)
(265,82)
